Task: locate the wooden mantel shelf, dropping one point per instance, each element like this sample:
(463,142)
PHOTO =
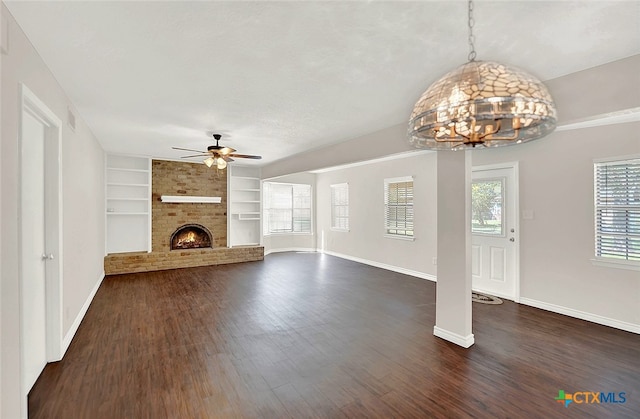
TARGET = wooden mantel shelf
(191,199)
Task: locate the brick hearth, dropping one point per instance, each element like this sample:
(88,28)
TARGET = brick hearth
(122,263)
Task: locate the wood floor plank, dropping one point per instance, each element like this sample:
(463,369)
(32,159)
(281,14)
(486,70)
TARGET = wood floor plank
(314,336)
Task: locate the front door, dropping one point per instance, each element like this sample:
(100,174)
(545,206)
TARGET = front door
(493,231)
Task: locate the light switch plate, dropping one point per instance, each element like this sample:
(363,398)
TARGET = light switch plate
(527,215)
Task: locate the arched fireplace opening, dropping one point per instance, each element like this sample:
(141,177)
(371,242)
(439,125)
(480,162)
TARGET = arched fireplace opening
(191,236)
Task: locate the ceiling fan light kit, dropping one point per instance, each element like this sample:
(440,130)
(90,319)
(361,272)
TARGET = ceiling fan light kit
(481,103)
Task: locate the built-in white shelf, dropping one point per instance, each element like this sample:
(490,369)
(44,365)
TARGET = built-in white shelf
(191,199)
(142,185)
(128,203)
(245,194)
(120,169)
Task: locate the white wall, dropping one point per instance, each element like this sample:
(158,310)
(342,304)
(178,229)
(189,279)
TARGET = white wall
(556,182)
(365,239)
(83,207)
(288,242)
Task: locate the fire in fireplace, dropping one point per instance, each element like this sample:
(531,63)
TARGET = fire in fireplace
(190,236)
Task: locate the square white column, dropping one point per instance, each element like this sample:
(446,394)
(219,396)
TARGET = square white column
(453,289)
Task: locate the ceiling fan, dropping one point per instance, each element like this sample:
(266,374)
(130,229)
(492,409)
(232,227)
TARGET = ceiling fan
(217,154)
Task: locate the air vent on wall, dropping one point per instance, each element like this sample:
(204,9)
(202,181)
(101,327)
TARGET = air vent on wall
(71,119)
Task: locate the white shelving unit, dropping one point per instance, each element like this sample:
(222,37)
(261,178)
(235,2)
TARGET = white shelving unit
(128,204)
(244,206)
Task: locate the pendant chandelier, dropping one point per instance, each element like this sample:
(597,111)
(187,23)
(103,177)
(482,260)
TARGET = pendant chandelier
(481,103)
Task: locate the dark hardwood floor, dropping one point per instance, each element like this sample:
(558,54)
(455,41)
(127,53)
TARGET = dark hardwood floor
(314,336)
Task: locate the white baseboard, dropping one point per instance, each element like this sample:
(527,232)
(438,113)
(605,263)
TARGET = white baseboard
(76,323)
(583,315)
(290,249)
(464,341)
(398,269)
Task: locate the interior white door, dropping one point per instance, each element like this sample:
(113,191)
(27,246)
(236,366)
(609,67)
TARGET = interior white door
(33,248)
(493,231)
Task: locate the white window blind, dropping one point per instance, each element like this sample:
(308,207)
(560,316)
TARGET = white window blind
(398,206)
(287,208)
(340,206)
(617,209)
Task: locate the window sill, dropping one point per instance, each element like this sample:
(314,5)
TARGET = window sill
(617,264)
(405,238)
(341,230)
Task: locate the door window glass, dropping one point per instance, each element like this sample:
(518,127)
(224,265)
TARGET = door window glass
(487,206)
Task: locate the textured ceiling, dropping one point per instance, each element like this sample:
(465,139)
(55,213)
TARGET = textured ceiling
(278,78)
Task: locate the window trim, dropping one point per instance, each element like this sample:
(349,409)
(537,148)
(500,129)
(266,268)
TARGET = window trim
(387,182)
(333,205)
(609,262)
(265,209)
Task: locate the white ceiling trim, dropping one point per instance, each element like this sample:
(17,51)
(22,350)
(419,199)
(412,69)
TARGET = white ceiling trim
(610,118)
(403,155)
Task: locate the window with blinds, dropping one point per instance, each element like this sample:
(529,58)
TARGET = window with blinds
(340,207)
(617,209)
(398,206)
(287,208)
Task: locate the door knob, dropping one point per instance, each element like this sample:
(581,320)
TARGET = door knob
(512,239)
(47,257)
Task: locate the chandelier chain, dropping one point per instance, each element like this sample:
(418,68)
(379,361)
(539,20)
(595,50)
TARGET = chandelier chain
(472,38)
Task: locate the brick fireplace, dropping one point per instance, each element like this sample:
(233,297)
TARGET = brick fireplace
(184,179)
(188,179)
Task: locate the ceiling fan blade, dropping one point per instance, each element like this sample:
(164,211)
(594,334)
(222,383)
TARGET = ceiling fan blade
(195,155)
(227,159)
(245,156)
(187,149)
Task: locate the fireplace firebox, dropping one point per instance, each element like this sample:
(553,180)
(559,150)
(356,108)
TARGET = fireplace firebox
(191,236)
